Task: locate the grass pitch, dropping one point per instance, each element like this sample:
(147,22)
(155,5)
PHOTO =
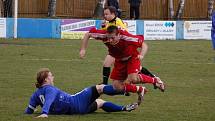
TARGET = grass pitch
(187,67)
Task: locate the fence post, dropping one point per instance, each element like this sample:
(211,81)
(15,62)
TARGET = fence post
(180,9)
(171,9)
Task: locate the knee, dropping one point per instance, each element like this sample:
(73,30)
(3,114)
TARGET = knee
(100,103)
(100,88)
(109,60)
(107,63)
(133,79)
(118,86)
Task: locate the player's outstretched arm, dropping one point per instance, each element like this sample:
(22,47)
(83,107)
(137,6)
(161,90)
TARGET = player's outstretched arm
(143,51)
(84,44)
(32,105)
(93,33)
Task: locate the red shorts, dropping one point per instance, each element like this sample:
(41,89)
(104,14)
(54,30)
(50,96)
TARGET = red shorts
(123,68)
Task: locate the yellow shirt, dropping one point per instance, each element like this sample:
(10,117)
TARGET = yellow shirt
(116,22)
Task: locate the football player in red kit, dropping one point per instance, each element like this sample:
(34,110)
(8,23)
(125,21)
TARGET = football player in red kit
(123,47)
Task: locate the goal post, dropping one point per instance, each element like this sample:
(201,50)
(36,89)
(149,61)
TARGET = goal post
(15,18)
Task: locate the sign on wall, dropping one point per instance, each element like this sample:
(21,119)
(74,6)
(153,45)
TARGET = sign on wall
(197,29)
(2,28)
(131,25)
(159,30)
(75,28)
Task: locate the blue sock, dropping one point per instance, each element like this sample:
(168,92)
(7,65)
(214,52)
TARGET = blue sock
(111,107)
(109,90)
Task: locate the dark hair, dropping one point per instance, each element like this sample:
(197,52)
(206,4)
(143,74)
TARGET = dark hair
(42,74)
(112,29)
(112,9)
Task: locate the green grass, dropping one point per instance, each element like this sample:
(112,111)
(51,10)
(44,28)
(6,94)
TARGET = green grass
(187,67)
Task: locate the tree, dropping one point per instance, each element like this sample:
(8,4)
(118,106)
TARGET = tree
(52,8)
(210,8)
(180,9)
(7,8)
(171,9)
(98,12)
(1,7)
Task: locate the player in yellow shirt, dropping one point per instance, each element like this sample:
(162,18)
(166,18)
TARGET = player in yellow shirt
(111,19)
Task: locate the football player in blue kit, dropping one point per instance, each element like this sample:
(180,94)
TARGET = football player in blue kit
(213,30)
(55,101)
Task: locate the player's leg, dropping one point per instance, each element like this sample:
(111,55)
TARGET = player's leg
(85,98)
(109,60)
(119,75)
(156,81)
(146,72)
(108,90)
(118,88)
(133,67)
(137,11)
(106,106)
(131,12)
(134,77)
(92,93)
(89,95)
(111,107)
(127,88)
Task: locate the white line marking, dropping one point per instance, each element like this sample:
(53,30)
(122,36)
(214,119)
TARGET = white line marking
(95,61)
(64,60)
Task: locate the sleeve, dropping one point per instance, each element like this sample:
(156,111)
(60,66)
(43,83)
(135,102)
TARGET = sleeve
(213,22)
(50,95)
(32,105)
(121,24)
(103,26)
(136,40)
(97,34)
(140,39)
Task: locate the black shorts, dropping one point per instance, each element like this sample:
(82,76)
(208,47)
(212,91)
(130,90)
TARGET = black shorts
(95,95)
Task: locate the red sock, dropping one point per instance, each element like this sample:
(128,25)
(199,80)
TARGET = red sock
(146,79)
(133,88)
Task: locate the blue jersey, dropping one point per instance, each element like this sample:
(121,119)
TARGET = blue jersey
(213,30)
(55,101)
(213,22)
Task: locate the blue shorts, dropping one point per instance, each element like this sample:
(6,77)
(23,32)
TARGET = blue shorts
(86,100)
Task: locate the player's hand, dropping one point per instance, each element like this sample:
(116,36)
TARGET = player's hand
(35,110)
(42,116)
(103,25)
(103,21)
(140,57)
(82,53)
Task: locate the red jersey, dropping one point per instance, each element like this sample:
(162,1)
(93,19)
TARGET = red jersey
(122,49)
